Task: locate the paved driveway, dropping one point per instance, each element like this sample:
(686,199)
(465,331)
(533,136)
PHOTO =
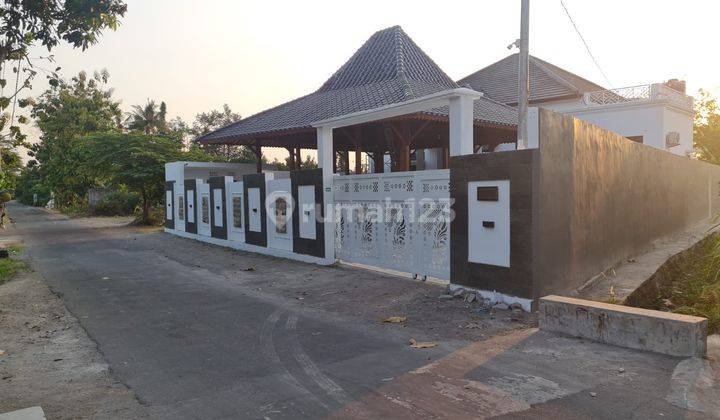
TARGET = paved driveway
(198,331)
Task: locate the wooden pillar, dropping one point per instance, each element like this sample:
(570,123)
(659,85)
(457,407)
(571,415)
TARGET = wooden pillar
(446,157)
(298,158)
(358,160)
(399,138)
(257,149)
(379,160)
(346,163)
(291,158)
(402,152)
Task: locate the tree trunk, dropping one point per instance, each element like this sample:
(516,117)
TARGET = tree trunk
(146,211)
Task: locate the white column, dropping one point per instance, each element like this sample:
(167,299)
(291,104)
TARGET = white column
(325,162)
(461,125)
(533,129)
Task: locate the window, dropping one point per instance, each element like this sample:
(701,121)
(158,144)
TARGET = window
(237,211)
(181,207)
(205,209)
(281,216)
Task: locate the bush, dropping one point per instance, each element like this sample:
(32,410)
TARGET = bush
(156,217)
(118,203)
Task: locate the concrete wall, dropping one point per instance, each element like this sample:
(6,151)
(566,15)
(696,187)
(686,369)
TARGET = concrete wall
(602,198)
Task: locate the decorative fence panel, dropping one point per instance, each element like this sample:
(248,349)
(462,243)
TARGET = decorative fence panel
(398,220)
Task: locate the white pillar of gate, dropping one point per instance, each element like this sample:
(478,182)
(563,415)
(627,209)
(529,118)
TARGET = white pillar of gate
(461,125)
(325,162)
(460,104)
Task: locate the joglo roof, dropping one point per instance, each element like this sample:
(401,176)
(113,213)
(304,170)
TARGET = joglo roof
(390,68)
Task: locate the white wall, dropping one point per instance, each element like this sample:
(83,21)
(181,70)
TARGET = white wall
(679,121)
(650,120)
(180,171)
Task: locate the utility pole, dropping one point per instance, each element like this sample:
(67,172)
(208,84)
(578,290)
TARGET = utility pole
(523,74)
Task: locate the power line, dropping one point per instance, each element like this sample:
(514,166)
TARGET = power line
(587,47)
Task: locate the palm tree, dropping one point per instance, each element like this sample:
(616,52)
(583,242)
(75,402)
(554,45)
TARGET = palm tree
(148,119)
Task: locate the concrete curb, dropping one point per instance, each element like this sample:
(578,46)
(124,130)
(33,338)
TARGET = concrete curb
(625,326)
(31,413)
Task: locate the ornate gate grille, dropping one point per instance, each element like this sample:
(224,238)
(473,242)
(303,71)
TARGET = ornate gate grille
(399,220)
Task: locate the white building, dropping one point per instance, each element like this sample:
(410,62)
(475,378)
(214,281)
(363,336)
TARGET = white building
(659,114)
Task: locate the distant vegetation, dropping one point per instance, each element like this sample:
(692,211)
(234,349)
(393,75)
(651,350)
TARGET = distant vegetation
(688,283)
(87,142)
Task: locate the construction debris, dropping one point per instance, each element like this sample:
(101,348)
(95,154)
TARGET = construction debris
(422,345)
(395,319)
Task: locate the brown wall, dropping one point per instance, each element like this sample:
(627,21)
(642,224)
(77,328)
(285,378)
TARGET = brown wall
(518,167)
(602,198)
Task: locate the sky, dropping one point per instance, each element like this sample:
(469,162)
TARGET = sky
(198,55)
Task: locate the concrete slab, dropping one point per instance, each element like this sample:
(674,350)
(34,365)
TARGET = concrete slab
(620,281)
(30,413)
(625,326)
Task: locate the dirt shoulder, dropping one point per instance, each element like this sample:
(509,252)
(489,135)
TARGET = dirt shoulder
(50,361)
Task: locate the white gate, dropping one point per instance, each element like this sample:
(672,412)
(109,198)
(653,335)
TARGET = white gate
(398,220)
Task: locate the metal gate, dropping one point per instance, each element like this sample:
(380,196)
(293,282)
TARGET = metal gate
(398,220)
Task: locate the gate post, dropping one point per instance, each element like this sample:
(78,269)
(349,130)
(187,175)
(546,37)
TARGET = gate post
(326,156)
(461,125)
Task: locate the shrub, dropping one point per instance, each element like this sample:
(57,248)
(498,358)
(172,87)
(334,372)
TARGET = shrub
(156,216)
(118,203)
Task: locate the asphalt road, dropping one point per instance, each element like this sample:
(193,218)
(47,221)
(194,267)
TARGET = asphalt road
(201,332)
(193,345)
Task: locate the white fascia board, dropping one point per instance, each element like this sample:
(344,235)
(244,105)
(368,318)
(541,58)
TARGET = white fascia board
(412,106)
(214,165)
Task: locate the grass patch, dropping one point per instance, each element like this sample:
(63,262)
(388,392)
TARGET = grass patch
(14,249)
(9,267)
(688,283)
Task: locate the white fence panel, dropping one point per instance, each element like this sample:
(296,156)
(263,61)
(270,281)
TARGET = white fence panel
(398,220)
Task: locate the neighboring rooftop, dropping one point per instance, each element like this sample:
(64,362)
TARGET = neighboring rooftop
(389,68)
(547,81)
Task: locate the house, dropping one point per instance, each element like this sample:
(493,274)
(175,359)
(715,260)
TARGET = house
(468,209)
(388,68)
(659,115)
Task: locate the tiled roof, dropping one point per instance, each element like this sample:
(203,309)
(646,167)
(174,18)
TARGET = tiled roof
(547,81)
(387,69)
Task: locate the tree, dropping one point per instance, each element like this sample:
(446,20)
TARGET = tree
(30,188)
(134,160)
(11,166)
(64,114)
(207,122)
(706,128)
(44,22)
(149,119)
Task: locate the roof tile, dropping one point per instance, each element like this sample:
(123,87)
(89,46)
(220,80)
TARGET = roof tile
(389,68)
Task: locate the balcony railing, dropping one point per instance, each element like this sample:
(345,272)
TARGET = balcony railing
(656,92)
